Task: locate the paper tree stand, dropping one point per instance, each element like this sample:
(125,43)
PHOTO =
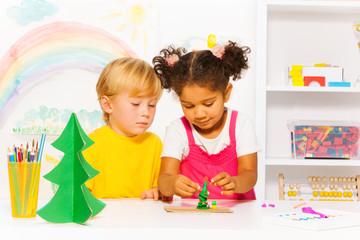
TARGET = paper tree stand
(72,202)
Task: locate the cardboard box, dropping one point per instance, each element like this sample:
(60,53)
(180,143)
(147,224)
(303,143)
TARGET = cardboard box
(331,74)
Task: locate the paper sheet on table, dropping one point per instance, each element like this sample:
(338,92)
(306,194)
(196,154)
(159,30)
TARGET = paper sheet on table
(298,219)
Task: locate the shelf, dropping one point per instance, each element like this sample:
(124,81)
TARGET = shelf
(303,32)
(314,6)
(309,162)
(312,89)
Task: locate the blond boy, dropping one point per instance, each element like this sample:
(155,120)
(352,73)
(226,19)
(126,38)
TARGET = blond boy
(127,156)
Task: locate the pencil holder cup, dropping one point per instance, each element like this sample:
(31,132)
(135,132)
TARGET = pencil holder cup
(24,188)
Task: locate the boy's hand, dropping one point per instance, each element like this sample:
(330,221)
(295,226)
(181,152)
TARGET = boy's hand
(184,187)
(225,181)
(151,194)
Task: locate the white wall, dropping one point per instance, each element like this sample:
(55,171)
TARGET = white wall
(181,23)
(189,22)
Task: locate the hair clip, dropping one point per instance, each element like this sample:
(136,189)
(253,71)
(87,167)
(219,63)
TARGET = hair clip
(171,60)
(211,42)
(216,49)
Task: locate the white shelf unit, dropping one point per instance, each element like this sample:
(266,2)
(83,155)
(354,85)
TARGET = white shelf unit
(307,162)
(294,32)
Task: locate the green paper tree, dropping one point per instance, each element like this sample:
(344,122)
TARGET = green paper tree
(72,202)
(203,195)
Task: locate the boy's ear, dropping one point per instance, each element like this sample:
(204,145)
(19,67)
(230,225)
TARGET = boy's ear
(105,103)
(227,93)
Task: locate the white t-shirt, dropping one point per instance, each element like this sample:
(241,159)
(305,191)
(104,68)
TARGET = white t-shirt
(176,144)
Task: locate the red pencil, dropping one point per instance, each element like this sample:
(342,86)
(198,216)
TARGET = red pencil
(19,156)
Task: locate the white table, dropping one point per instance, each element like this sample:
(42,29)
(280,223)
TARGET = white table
(146,219)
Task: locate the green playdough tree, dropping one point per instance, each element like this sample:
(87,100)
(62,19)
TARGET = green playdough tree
(72,202)
(203,195)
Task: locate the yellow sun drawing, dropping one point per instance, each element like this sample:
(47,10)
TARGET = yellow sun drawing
(135,18)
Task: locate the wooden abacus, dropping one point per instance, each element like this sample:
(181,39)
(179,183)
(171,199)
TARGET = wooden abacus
(319,188)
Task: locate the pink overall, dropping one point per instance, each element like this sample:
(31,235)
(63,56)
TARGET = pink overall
(199,163)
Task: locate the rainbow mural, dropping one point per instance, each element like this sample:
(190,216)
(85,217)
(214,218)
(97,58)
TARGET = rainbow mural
(50,49)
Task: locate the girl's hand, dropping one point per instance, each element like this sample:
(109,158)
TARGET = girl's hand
(184,187)
(151,194)
(225,181)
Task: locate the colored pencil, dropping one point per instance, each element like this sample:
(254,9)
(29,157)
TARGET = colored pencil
(42,142)
(27,153)
(19,155)
(36,151)
(15,154)
(32,156)
(9,155)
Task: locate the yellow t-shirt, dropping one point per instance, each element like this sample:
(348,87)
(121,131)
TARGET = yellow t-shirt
(128,166)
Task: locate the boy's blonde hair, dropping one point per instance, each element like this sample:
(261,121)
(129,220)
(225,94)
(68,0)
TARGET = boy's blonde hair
(128,75)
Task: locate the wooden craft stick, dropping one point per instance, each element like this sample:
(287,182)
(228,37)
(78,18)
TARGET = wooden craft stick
(195,210)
